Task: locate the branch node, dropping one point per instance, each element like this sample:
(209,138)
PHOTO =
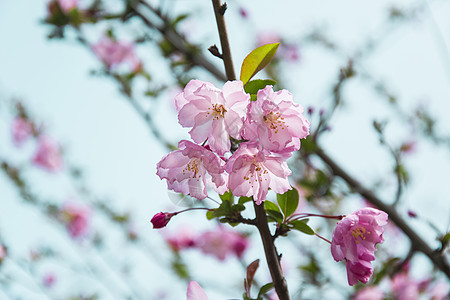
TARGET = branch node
(222,9)
(215,51)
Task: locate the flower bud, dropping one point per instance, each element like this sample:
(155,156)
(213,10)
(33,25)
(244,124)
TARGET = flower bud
(161,219)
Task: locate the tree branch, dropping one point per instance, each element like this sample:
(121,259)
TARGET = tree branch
(417,243)
(273,261)
(226,51)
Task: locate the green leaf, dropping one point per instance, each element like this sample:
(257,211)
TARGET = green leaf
(228,196)
(252,87)
(273,210)
(303,227)
(223,210)
(264,289)
(210,214)
(244,199)
(257,60)
(288,202)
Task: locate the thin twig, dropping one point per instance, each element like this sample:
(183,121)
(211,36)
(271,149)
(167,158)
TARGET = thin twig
(226,51)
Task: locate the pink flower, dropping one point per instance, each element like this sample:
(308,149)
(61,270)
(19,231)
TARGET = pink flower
(21,130)
(48,155)
(195,292)
(354,240)
(276,121)
(404,287)
(190,169)
(213,114)
(49,280)
(3,253)
(114,53)
(369,293)
(67,5)
(183,239)
(439,291)
(76,217)
(161,219)
(222,242)
(254,170)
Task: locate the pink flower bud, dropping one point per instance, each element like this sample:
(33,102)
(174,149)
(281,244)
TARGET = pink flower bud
(161,219)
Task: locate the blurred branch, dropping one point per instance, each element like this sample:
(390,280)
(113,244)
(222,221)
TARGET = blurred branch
(178,41)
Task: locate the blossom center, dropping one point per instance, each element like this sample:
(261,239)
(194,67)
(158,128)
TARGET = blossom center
(193,166)
(359,232)
(274,121)
(255,173)
(218,111)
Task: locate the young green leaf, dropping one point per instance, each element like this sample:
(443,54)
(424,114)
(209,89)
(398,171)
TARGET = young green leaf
(303,227)
(264,289)
(257,60)
(288,202)
(273,210)
(252,87)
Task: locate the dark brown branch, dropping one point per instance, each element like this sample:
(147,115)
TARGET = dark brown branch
(226,51)
(273,261)
(417,243)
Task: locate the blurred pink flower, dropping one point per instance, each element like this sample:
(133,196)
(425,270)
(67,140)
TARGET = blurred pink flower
(191,169)
(67,5)
(254,170)
(182,239)
(267,37)
(76,217)
(276,121)
(213,114)
(439,291)
(222,242)
(354,240)
(48,155)
(3,252)
(369,293)
(21,130)
(195,292)
(49,280)
(113,53)
(404,287)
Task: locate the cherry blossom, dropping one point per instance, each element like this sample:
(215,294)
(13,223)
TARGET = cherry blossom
(254,170)
(195,292)
(404,287)
(213,114)
(182,239)
(222,242)
(276,121)
(76,217)
(191,169)
(21,130)
(369,293)
(67,5)
(48,155)
(354,240)
(114,53)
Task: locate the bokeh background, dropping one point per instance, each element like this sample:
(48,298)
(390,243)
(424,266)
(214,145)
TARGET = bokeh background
(102,135)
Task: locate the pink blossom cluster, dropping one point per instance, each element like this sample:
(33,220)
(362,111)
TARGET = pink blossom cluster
(114,53)
(266,132)
(67,5)
(354,240)
(48,152)
(404,287)
(220,243)
(76,218)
